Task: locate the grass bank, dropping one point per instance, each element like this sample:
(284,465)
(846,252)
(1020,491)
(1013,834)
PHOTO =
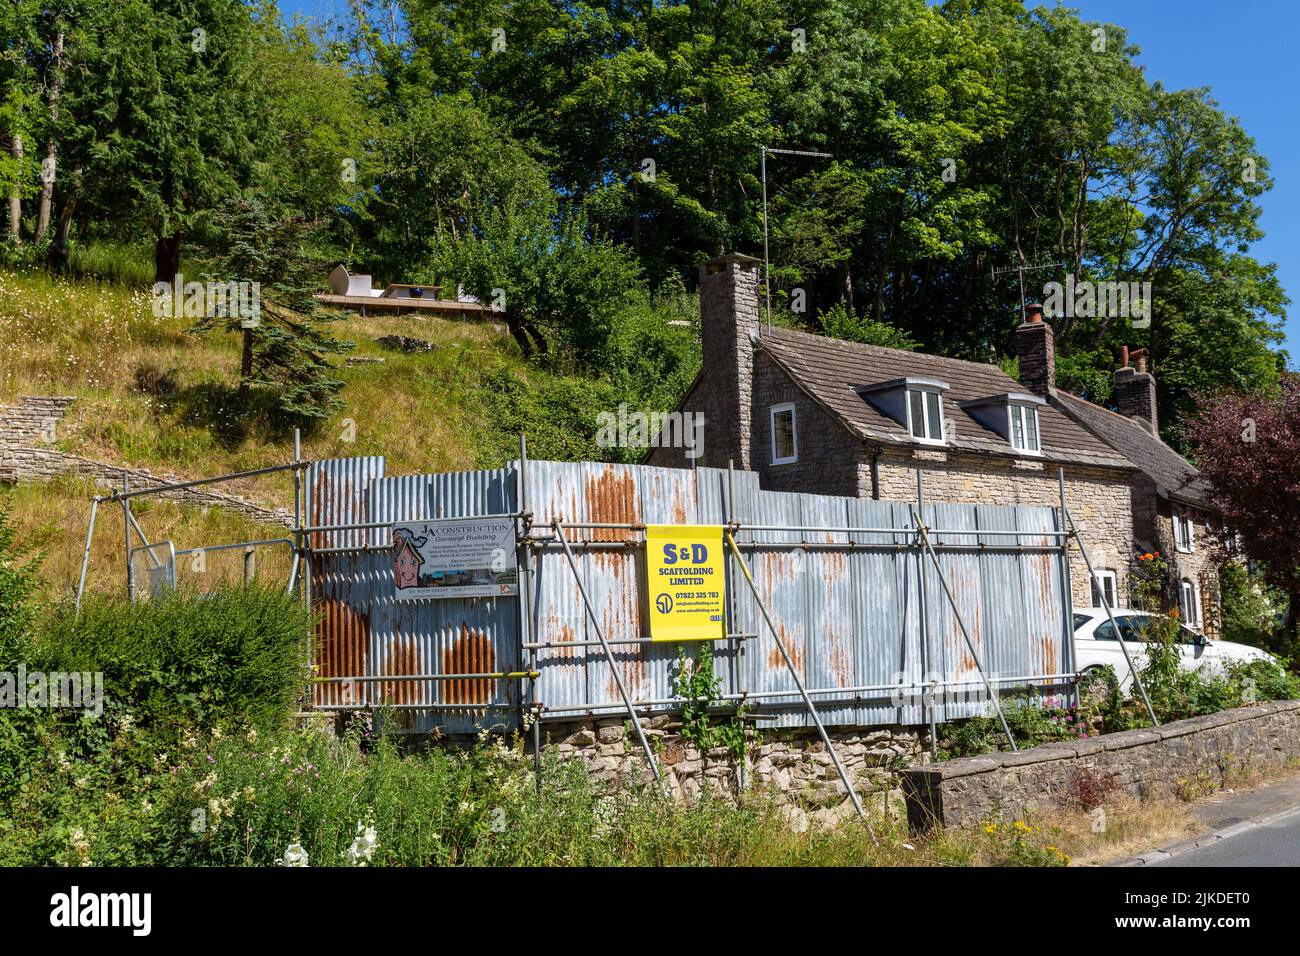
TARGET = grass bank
(155,396)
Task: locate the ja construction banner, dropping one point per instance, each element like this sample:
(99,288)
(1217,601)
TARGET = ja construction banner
(687,583)
(465,557)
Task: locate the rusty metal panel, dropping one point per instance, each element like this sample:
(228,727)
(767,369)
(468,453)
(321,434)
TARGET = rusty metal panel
(614,578)
(336,493)
(827,596)
(951,658)
(886,613)
(446,635)
(778,574)
(848,613)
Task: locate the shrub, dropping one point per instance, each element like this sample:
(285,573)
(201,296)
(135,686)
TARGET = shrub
(234,654)
(1088,790)
(839,323)
(1251,609)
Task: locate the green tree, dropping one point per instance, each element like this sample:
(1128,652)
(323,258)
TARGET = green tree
(285,352)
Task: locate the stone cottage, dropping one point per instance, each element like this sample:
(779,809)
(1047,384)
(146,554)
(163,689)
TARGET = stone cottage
(1172,514)
(811,413)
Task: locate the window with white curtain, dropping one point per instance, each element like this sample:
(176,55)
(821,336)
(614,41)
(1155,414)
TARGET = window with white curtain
(785,446)
(1184,532)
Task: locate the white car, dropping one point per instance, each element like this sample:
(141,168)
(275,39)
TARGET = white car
(1095,645)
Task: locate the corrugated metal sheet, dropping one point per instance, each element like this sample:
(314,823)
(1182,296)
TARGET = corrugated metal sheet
(341,583)
(846,604)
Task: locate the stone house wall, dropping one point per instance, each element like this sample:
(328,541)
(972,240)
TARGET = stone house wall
(828,455)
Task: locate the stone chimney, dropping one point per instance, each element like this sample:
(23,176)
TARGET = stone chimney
(729,327)
(1037,352)
(1135,389)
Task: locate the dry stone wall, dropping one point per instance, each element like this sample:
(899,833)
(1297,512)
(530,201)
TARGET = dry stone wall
(793,766)
(27,453)
(1186,756)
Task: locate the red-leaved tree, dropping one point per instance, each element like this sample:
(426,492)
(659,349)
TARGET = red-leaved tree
(1249,451)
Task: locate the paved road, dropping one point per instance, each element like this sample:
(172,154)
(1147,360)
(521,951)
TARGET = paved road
(1247,844)
(1255,827)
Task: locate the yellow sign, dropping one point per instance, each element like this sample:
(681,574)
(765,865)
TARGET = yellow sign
(687,582)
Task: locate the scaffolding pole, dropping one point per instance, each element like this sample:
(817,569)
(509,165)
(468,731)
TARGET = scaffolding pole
(926,704)
(812,710)
(961,625)
(1067,586)
(525,552)
(609,656)
(85,554)
(1119,636)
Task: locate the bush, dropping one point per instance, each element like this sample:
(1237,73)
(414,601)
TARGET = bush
(1251,609)
(234,654)
(839,323)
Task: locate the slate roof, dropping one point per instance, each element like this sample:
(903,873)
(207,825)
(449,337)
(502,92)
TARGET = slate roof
(830,370)
(1173,474)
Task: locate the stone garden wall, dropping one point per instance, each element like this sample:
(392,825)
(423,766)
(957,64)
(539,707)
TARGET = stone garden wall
(792,765)
(1179,758)
(29,428)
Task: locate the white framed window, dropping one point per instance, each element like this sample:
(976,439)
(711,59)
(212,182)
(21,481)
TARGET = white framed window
(1189,600)
(1184,532)
(925,416)
(785,443)
(1024,428)
(1103,585)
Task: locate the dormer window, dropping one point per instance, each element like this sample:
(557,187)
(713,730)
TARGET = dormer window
(914,403)
(925,415)
(1014,416)
(1024,428)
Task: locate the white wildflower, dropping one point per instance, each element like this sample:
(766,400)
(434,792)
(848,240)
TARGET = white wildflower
(295,855)
(363,845)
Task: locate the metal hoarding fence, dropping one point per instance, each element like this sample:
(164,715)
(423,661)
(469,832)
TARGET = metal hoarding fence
(842,580)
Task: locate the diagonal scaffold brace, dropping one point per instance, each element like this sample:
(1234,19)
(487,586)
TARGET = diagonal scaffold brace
(1123,644)
(609,656)
(821,728)
(924,536)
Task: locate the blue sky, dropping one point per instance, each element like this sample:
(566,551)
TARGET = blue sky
(1246,51)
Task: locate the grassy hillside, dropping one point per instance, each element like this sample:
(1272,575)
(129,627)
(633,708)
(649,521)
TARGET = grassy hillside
(153,395)
(51,521)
